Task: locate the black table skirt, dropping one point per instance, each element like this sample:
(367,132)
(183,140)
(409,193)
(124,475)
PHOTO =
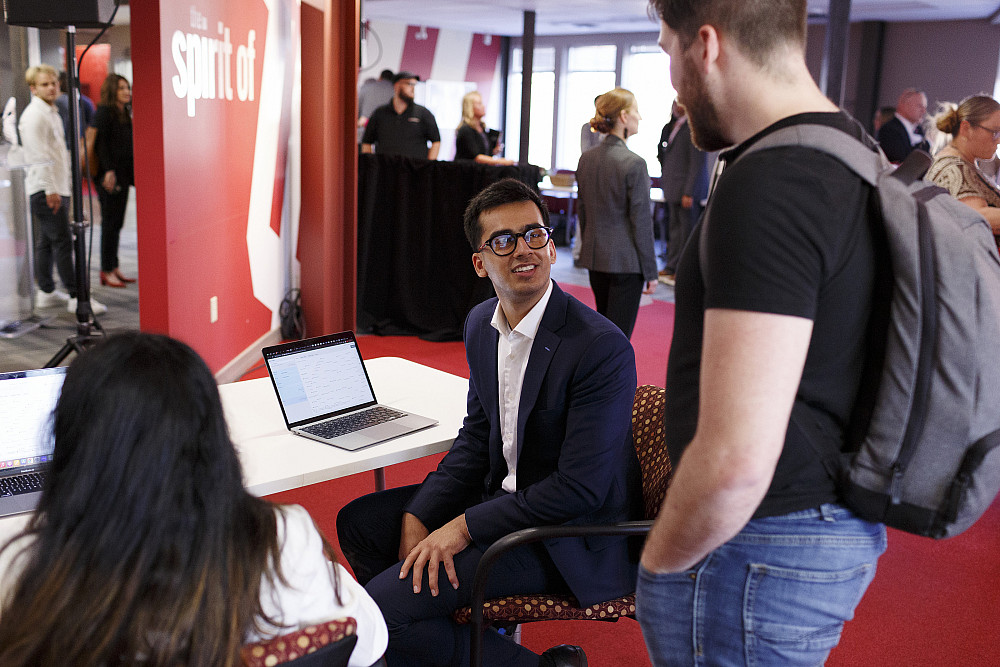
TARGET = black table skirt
(415,272)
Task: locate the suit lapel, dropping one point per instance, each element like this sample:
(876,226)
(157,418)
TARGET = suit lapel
(542,351)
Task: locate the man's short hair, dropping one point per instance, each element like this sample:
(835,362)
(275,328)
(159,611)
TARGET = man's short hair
(507,191)
(31,76)
(759,27)
(386,74)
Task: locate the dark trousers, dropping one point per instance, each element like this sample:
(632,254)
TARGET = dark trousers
(53,243)
(112,218)
(421,631)
(617,296)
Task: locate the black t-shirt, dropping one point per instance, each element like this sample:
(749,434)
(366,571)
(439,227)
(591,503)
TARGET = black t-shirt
(401,134)
(787,232)
(470,142)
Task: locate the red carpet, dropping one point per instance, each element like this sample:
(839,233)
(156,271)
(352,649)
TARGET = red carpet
(932,603)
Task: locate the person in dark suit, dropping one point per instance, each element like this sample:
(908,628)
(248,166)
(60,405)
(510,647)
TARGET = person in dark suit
(545,441)
(902,134)
(683,168)
(616,223)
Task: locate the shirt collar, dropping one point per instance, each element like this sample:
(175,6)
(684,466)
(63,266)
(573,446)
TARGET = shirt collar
(910,127)
(528,326)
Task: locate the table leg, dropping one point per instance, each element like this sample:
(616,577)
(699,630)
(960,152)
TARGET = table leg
(379,479)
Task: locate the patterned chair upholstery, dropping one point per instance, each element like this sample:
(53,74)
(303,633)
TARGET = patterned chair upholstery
(650,443)
(326,644)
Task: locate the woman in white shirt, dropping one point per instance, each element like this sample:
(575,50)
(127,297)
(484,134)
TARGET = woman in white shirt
(145,547)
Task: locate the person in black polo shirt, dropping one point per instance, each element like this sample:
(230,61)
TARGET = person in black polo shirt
(402,127)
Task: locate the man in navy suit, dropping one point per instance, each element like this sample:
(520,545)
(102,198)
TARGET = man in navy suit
(545,441)
(902,134)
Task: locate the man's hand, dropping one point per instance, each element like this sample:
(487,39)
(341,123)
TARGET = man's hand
(109,181)
(53,201)
(412,533)
(438,547)
(649,287)
(687,201)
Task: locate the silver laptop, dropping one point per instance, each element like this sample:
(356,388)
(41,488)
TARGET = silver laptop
(325,394)
(27,399)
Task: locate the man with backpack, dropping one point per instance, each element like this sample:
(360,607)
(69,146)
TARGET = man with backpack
(754,559)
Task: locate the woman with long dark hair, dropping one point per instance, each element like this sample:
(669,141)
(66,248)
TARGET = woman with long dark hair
(113,146)
(145,547)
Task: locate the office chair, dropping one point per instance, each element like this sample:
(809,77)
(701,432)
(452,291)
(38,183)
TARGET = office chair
(326,644)
(649,437)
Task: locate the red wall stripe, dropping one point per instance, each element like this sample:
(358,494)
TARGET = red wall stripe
(483,63)
(418,52)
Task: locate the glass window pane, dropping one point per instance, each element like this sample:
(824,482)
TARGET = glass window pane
(592,58)
(647,74)
(577,109)
(545,60)
(542,101)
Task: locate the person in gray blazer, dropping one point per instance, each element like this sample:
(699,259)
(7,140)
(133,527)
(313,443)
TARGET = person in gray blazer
(683,167)
(616,224)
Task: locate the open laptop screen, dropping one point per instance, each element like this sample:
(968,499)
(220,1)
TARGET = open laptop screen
(319,378)
(27,399)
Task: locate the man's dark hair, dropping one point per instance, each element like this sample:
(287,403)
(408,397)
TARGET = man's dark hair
(386,74)
(507,191)
(758,26)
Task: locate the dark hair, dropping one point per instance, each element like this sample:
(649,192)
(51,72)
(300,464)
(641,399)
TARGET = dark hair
(507,191)
(386,74)
(758,26)
(109,94)
(145,542)
(974,109)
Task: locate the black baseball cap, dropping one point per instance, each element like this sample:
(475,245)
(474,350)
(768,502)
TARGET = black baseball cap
(405,75)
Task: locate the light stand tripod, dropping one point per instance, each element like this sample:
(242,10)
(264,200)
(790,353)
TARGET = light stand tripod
(88,329)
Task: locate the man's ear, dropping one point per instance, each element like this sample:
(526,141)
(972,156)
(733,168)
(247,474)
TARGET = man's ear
(707,43)
(477,264)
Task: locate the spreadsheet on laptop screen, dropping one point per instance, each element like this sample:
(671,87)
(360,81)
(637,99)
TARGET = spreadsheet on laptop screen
(26,403)
(319,381)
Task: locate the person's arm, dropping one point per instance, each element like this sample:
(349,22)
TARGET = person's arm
(494,160)
(36,138)
(367,148)
(370,136)
(991,213)
(432,152)
(751,369)
(640,219)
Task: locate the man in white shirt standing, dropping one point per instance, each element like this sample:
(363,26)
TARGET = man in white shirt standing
(903,133)
(48,185)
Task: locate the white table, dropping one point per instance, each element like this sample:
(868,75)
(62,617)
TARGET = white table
(275,460)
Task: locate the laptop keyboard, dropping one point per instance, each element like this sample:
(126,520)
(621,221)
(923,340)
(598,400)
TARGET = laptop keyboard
(353,422)
(18,484)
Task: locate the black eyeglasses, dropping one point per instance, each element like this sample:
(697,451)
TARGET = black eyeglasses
(995,133)
(504,244)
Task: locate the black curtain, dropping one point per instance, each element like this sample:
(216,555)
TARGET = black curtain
(415,272)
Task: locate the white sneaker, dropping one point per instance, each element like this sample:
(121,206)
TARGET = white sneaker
(56,297)
(96,306)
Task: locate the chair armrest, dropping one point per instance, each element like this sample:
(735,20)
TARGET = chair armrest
(528,536)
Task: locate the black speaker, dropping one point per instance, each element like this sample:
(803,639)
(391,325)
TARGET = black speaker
(58,13)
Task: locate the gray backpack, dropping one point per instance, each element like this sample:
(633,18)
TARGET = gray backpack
(926,458)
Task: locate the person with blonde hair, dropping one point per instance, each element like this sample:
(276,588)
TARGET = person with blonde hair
(616,224)
(974,127)
(472,139)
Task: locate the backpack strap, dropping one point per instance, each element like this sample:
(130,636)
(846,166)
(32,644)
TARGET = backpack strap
(858,157)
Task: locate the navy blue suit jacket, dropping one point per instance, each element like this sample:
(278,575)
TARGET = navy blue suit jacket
(895,141)
(576,462)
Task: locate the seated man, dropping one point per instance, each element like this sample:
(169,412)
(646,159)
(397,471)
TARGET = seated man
(545,441)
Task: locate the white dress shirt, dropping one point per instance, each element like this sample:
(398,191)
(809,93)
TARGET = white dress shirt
(911,129)
(44,143)
(513,350)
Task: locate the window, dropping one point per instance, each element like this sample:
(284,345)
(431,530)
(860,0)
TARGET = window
(590,71)
(543,83)
(646,72)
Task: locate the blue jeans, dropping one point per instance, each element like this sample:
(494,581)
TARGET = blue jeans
(777,593)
